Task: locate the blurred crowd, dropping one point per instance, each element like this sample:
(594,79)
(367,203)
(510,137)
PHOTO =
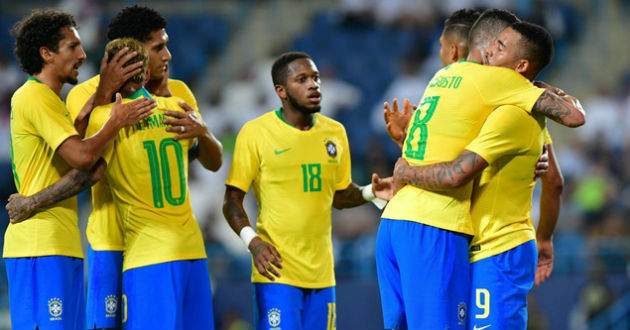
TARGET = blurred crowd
(371,51)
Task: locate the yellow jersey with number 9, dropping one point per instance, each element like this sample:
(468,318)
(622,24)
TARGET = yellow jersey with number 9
(295,175)
(147,171)
(104,230)
(450,114)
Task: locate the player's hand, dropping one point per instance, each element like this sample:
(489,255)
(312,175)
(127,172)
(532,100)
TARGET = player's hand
(396,122)
(130,113)
(19,207)
(399,168)
(266,258)
(545,260)
(550,88)
(384,188)
(187,124)
(114,73)
(542,165)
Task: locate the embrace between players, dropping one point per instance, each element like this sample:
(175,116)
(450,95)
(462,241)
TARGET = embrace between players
(456,247)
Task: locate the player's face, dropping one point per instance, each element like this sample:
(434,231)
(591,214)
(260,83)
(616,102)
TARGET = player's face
(504,51)
(159,56)
(302,86)
(69,57)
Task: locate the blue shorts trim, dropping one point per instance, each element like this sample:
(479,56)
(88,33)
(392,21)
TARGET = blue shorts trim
(46,292)
(499,288)
(104,289)
(282,306)
(423,275)
(168,296)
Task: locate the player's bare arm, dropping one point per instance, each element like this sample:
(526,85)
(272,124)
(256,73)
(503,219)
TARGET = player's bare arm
(83,154)
(188,125)
(20,207)
(396,121)
(550,202)
(453,174)
(349,197)
(266,257)
(559,106)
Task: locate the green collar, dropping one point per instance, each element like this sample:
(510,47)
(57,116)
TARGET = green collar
(279,114)
(34,79)
(142,92)
(465,60)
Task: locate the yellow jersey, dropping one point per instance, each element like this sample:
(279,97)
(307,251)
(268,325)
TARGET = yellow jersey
(104,229)
(294,174)
(511,142)
(147,171)
(450,114)
(39,124)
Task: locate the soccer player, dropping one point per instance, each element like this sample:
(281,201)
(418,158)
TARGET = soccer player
(44,256)
(298,162)
(425,234)
(503,251)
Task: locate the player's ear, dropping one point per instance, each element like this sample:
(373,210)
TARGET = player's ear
(46,54)
(281,91)
(454,52)
(522,66)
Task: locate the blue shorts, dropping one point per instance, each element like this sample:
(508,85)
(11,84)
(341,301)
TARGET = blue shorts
(104,289)
(46,292)
(282,306)
(423,275)
(171,295)
(499,288)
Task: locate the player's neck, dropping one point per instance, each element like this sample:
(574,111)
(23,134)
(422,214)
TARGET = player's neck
(158,87)
(475,55)
(49,79)
(297,119)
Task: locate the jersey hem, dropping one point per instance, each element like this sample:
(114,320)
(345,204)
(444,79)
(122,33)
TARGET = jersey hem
(44,254)
(435,224)
(500,249)
(161,261)
(298,284)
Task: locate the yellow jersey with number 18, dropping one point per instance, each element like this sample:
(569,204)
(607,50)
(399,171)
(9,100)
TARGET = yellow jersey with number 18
(511,142)
(294,175)
(451,112)
(104,230)
(147,171)
(40,123)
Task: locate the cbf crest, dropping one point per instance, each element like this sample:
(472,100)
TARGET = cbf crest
(331,148)
(273,317)
(111,305)
(461,312)
(55,308)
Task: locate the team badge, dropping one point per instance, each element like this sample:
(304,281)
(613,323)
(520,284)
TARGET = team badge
(111,305)
(461,312)
(55,308)
(273,317)
(331,148)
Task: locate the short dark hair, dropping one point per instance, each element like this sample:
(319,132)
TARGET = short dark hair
(136,22)
(536,44)
(457,26)
(488,26)
(42,28)
(280,66)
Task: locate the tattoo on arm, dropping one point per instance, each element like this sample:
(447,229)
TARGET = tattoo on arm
(565,110)
(349,197)
(69,185)
(443,175)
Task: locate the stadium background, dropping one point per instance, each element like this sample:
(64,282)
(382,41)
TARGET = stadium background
(369,51)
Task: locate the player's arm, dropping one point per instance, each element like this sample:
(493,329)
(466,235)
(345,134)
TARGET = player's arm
(550,201)
(382,189)
(559,106)
(440,176)
(265,255)
(209,150)
(83,154)
(20,207)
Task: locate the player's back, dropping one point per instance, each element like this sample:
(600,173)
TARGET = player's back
(450,114)
(148,173)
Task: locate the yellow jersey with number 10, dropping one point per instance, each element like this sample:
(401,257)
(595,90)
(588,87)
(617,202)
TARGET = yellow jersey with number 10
(294,175)
(147,171)
(450,114)
(104,230)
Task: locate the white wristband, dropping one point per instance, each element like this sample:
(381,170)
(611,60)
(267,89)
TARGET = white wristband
(367,193)
(247,234)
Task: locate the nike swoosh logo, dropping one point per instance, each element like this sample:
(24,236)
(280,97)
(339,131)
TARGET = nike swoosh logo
(277,152)
(475,327)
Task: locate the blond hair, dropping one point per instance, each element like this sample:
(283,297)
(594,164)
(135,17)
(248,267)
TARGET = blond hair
(116,45)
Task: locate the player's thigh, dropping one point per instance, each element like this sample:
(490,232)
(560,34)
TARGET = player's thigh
(499,288)
(435,275)
(278,306)
(104,289)
(197,311)
(389,277)
(320,310)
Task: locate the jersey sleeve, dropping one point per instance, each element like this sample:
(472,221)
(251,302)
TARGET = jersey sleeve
(502,86)
(52,121)
(501,135)
(180,89)
(76,100)
(344,173)
(98,118)
(246,159)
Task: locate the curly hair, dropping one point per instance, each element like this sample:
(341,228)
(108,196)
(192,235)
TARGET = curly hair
(42,28)
(135,22)
(116,45)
